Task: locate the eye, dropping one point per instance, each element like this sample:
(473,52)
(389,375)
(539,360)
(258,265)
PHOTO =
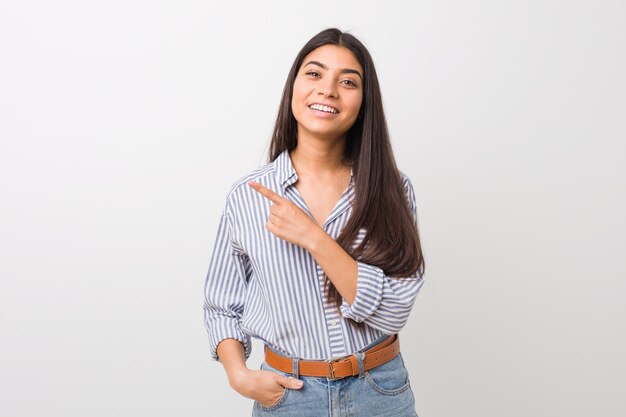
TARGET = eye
(350,82)
(312,73)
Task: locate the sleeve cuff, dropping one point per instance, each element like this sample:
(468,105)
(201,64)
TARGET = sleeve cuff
(229,332)
(369,293)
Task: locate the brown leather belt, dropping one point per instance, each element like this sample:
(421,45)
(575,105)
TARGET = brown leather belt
(337,368)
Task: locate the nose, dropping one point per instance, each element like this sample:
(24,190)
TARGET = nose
(328,89)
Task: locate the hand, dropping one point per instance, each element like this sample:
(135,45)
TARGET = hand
(266,387)
(286,219)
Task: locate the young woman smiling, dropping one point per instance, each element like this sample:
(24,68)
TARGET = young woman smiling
(317,252)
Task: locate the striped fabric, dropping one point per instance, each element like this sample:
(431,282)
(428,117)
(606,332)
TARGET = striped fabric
(259,285)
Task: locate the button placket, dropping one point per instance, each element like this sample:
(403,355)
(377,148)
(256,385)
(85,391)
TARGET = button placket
(333,323)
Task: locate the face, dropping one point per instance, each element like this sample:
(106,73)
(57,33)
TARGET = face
(327,92)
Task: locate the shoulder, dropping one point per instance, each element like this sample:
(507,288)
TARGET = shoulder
(406,181)
(407,185)
(239,188)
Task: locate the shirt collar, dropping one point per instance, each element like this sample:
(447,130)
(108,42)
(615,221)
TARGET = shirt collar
(286,173)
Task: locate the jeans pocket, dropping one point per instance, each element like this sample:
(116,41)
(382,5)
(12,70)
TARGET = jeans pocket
(391,378)
(281,400)
(277,404)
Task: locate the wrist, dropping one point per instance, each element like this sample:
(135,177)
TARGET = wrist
(315,239)
(237,376)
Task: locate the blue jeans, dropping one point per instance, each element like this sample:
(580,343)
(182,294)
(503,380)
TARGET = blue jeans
(383,391)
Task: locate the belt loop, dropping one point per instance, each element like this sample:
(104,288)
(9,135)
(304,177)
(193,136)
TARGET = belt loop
(359,359)
(296,371)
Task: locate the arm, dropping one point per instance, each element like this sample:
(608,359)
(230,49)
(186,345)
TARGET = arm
(224,295)
(232,355)
(224,292)
(368,294)
(382,302)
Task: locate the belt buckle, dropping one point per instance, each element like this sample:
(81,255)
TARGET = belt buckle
(331,370)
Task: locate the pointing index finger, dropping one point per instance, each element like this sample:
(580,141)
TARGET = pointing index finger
(265,191)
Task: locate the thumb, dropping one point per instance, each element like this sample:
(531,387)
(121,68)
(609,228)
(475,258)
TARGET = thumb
(291,382)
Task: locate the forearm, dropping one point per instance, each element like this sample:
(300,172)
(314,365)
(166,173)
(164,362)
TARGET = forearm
(340,267)
(232,356)
(383,302)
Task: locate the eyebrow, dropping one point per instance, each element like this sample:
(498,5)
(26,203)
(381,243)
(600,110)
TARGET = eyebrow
(343,70)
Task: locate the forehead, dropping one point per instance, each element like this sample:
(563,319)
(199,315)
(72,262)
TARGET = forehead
(334,57)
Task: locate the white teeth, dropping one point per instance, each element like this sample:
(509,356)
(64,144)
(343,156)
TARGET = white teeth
(321,107)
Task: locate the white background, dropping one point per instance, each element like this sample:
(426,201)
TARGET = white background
(124,123)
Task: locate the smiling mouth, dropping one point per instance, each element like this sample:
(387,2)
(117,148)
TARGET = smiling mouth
(324,108)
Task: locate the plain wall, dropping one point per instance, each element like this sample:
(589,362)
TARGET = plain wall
(124,123)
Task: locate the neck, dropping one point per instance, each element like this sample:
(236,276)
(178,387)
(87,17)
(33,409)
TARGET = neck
(318,157)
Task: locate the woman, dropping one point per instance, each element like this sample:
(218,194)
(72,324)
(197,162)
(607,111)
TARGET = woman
(317,252)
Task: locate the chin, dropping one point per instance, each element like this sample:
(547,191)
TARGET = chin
(326,132)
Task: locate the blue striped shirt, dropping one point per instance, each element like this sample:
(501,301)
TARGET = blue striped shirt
(259,285)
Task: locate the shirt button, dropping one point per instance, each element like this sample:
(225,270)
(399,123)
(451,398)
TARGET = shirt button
(333,322)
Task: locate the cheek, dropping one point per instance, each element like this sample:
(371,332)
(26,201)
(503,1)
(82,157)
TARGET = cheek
(356,103)
(298,89)
(296,106)
(297,98)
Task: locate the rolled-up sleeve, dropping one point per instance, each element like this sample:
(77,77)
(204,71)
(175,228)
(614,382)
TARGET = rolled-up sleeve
(383,302)
(225,290)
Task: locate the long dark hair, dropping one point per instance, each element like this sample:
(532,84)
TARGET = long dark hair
(380,205)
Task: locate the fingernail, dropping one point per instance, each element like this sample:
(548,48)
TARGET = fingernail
(299,384)
(250,182)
